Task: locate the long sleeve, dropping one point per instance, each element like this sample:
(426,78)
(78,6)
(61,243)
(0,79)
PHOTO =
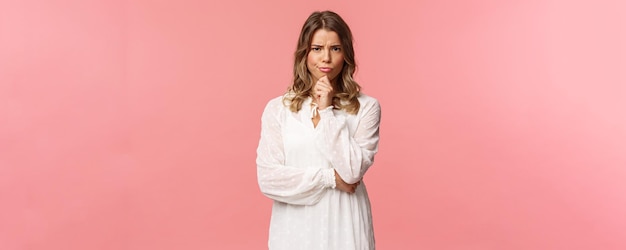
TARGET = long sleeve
(350,156)
(293,185)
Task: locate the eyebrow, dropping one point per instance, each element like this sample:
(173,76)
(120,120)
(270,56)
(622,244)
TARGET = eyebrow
(334,45)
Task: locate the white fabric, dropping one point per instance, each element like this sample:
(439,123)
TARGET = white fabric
(295,163)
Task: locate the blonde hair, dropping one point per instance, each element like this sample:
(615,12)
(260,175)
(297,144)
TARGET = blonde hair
(347,89)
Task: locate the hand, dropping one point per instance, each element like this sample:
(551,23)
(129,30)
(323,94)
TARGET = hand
(343,186)
(323,93)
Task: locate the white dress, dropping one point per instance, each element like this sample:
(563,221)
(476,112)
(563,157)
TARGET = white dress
(295,168)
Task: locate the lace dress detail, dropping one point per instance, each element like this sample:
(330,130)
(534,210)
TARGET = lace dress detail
(296,164)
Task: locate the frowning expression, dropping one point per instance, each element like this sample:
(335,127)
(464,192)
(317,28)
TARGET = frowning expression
(325,56)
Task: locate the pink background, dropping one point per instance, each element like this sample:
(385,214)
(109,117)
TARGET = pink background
(134,124)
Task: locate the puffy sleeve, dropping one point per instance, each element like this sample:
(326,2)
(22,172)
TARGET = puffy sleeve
(350,155)
(299,186)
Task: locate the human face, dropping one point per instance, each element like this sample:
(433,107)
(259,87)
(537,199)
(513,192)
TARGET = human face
(325,56)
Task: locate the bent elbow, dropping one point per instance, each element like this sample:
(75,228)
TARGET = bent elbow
(352,180)
(351,177)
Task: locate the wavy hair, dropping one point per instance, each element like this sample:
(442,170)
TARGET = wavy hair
(347,89)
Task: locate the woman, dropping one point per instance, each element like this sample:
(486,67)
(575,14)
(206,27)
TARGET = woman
(317,142)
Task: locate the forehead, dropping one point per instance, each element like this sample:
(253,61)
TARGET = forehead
(324,36)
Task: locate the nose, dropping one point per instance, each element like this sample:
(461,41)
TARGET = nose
(326,56)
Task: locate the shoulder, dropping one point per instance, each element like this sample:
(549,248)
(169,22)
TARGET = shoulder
(273,110)
(276,101)
(364,98)
(274,105)
(368,103)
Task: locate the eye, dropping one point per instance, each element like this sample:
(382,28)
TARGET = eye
(316,49)
(336,49)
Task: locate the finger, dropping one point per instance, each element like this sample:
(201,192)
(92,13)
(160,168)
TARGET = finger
(321,87)
(326,90)
(324,81)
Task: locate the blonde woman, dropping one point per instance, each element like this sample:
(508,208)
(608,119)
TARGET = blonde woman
(317,142)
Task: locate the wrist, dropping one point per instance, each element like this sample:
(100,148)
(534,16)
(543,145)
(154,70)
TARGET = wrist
(330,179)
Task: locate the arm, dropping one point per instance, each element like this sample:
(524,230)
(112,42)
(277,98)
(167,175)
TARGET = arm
(350,156)
(300,186)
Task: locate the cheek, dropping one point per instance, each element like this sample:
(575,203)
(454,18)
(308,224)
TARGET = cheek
(339,63)
(310,60)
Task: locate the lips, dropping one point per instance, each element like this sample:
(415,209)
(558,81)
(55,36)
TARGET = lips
(325,69)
